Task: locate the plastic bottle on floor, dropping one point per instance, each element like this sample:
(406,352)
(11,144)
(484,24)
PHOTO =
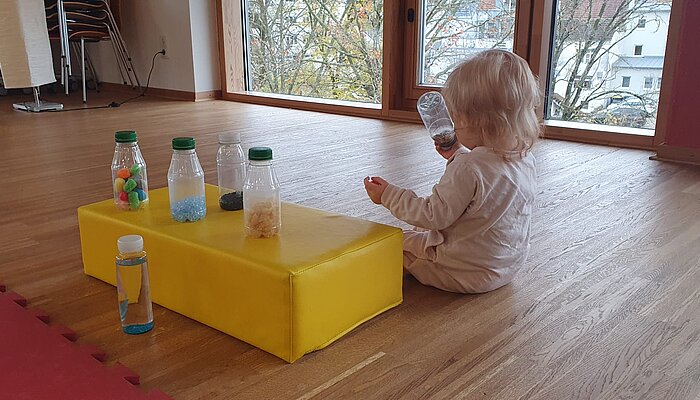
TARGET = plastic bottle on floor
(133,291)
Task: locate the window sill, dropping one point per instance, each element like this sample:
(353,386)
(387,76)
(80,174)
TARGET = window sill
(599,128)
(600,134)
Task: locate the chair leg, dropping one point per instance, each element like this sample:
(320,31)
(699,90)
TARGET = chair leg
(92,70)
(116,56)
(122,45)
(82,66)
(65,47)
(119,52)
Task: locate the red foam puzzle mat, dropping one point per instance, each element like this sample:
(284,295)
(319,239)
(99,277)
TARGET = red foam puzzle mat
(40,361)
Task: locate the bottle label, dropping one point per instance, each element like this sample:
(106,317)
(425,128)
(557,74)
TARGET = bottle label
(130,262)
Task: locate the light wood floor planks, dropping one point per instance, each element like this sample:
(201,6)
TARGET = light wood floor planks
(608,305)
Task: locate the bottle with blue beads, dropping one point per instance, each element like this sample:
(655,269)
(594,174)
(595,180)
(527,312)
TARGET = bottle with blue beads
(129,182)
(186,182)
(133,290)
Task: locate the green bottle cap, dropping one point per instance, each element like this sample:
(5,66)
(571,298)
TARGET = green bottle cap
(183,143)
(260,153)
(125,136)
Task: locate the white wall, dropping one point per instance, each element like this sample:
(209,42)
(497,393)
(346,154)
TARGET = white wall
(191,63)
(652,37)
(205,49)
(637,77)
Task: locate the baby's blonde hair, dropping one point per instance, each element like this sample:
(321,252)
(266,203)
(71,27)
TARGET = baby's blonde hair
(496,94)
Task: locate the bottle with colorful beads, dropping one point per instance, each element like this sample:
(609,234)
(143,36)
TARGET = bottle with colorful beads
(186,182)
(129,182)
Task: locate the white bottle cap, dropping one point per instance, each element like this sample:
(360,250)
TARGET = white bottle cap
(230,138)
(130,244)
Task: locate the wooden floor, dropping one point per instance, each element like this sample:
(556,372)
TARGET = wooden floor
(608,305)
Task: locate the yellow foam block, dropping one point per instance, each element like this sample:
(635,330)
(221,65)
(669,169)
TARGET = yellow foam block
(323,276)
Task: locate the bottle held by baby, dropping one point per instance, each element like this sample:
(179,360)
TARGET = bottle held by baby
(436,118)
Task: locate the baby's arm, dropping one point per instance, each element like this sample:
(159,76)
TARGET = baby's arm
(443,207)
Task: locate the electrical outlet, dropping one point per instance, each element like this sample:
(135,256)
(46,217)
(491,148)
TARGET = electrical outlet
(164,46)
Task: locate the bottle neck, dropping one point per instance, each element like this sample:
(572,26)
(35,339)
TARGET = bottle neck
(183,152)
(260,163)
(125,145)
(131,258)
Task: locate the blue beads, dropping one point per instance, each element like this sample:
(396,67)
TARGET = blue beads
(141,193)
(189,209)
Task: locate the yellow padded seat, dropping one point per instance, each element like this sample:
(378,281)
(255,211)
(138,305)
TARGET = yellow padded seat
(323,276)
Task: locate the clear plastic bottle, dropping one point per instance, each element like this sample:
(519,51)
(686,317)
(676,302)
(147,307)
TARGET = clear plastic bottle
(129,182)
(436,118)
(261,195)
(230,168)
(186,182)
(133,291)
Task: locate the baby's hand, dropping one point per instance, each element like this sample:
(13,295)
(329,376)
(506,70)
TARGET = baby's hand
(375,187)
(447,154)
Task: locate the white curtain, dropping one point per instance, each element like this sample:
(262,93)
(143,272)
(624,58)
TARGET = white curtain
(25,52)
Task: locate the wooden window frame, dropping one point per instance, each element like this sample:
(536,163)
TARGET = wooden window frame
(400,88)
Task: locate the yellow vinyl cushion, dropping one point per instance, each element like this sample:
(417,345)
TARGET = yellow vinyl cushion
(324,275)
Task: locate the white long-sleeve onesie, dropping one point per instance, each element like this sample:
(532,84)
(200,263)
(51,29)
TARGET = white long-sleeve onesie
(473,232)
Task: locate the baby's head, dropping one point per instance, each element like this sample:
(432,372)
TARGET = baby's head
(492,97)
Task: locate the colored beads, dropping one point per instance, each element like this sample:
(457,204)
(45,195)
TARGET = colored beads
(124,173)
(135,170)
(130,190)
(129,185)
(134,202)
(189,209)
(141,194)
(119,185)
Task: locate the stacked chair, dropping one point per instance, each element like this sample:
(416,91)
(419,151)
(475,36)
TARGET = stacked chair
(73,22)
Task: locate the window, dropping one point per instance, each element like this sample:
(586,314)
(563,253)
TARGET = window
(598,39)
(337,50)
(584,83)
(658,83)
(648,82)
(452,30)
(332,49)
(642,23)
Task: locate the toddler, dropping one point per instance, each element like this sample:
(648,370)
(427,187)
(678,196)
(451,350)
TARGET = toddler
(472,233)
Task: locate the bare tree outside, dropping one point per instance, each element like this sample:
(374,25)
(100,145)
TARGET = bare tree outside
(317,48)
(453,30)
(607,59)
(606,62)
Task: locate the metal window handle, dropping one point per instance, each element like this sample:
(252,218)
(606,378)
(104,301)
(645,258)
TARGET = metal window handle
(411,15)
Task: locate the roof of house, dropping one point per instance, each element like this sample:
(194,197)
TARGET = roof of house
(596,8)
(640,62)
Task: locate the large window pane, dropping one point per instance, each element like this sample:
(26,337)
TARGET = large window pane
(607,60)
(453,29)
(329,49)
